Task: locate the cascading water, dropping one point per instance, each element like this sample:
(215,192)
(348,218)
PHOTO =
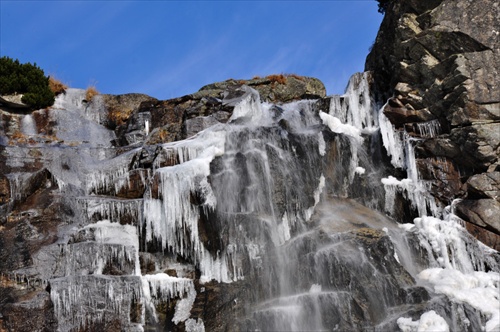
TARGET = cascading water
(28,126)
(264,203)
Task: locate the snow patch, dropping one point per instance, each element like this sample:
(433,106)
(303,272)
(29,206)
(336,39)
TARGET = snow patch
(429,321)
(338,127)
(479,289)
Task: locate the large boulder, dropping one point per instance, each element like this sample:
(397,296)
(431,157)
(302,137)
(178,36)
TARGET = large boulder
(276,88)
(481,212)
(485,185)
(13,102)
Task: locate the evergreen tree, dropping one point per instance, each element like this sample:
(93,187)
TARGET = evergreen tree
(27,79)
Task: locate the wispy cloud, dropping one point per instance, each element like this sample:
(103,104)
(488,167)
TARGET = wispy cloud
(175,77)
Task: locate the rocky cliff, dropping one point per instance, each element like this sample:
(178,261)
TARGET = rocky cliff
(264,204)
(436,65)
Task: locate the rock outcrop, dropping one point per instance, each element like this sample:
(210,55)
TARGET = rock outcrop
(437,62)
(13,102)
(274,88)
(179,118)
(120,107)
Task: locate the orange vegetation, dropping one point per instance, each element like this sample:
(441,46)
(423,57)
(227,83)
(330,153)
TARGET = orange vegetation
(119,117)
(281,79)
(91,92)
(56,85)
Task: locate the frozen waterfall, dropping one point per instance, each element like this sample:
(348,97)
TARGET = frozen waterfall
(287,207)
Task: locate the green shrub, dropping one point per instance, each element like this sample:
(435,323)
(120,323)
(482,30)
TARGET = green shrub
(27,79)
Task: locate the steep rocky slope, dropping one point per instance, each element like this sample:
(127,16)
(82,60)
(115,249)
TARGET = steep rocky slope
(437,62)
(263,203)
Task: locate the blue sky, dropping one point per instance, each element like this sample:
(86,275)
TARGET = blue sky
(168,49)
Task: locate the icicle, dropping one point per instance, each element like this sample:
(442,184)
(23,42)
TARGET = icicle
(174,220)
(355,106)
(399,145)
(114,210)
(91,258)
(317,195)
(429,129)
(321,144)
(163,287)
(82,300)
(393,139)
(109,180)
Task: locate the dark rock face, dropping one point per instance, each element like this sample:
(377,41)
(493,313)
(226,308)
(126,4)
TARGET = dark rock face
(28,223)
(4,189)
(182,117)
(433,64)
(120,107)
(35,304)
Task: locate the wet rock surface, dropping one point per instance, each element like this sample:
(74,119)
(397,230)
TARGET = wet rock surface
(98,236)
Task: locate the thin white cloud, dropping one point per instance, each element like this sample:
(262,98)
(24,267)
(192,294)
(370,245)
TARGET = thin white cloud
(171,75)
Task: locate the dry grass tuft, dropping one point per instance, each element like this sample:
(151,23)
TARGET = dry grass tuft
(56,85)
(281,79)
(19,138)
(118,117)
(163,134)
(17,135)
(91,92)
(300,78)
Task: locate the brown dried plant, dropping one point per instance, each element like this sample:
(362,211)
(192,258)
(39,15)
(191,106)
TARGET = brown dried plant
(281,79)
(91,92)
(18,138)
(300,78)
(56,85)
